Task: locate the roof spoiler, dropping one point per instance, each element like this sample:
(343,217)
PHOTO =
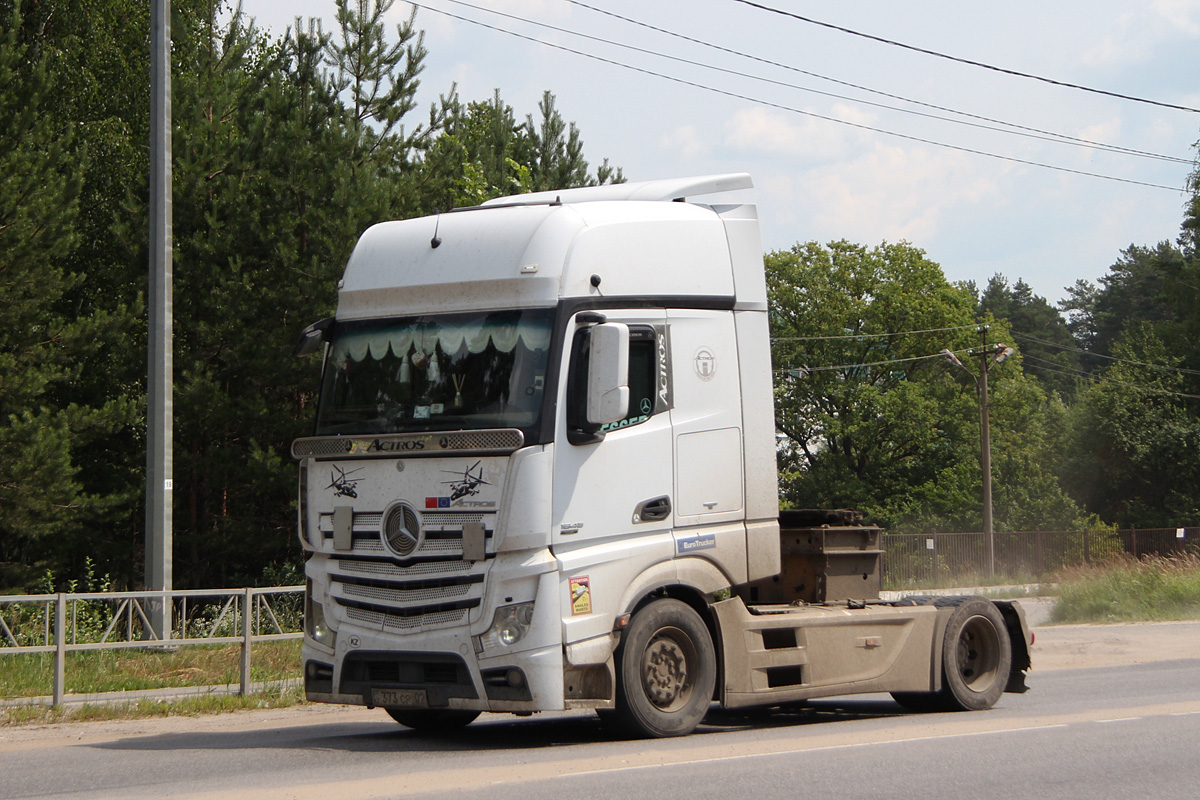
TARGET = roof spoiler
(662,190)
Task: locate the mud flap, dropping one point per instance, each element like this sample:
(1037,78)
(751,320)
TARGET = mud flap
(1022,640)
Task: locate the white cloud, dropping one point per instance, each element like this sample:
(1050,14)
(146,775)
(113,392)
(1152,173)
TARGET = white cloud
(1134,35)
(685,142)
(766,131)
(1182,15)
(894,193)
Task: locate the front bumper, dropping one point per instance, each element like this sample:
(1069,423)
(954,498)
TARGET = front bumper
(433,670)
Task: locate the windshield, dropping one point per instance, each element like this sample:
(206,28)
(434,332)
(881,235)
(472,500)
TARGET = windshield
(436,373)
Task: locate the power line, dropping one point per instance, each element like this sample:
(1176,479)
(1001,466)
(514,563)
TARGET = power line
(1031,132)
(858,366)
(1049,366)
(969,62)
(868,335)
(768,104)
(1068,348)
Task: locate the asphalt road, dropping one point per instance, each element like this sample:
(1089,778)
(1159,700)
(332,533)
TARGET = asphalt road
(1127,731)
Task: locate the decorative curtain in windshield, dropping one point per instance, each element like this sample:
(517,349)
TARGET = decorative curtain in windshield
(446,372)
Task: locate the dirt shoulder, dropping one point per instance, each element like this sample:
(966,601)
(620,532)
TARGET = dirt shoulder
(1082,646)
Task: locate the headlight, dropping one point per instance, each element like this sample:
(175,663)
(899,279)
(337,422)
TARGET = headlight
(509,626)
(314,622)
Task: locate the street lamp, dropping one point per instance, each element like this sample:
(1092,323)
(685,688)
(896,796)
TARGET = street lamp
(988,355)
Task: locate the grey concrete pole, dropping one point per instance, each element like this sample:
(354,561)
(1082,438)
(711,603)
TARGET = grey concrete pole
(159,412)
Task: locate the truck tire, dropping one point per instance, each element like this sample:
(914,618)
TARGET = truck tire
(976,660)
(666,671)
(976,656)
(433,720)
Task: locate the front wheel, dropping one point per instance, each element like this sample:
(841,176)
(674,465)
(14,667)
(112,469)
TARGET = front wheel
(666,671)
(433,720)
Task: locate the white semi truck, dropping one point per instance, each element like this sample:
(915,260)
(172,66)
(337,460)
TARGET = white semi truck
(543,477)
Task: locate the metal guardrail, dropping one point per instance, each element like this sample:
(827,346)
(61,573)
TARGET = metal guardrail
(116,620)
(937,560)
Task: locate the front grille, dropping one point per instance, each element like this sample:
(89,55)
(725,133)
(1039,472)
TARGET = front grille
(398,624)
(431,588)
(392,570)
(402,595)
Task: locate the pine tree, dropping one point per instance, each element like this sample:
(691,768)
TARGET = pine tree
(40,175)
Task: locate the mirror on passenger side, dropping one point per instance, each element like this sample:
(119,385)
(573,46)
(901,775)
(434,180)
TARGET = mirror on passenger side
(608,373)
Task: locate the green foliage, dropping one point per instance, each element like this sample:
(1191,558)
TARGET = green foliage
(1047,347)
(1134,290)
(1134,438)
(483,152)
(1127,589)
(48,339)
(1134,431)
(136,669)
(864,411)
(875,418)
(284,151)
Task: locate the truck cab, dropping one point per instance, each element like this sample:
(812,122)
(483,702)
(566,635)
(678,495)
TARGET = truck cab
(543,457)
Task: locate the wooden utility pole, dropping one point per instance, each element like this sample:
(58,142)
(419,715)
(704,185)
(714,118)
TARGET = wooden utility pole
(988,356)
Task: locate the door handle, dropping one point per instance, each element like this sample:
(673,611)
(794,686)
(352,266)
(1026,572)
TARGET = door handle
(655,510)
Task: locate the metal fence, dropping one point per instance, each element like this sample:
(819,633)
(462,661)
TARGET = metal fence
(938,560)
(65,623)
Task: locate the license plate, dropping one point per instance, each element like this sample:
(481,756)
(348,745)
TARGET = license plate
(400,698)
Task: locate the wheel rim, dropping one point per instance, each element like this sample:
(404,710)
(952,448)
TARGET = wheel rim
(665,673)
(978,653)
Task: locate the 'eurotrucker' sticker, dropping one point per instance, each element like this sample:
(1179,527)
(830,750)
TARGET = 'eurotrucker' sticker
(695,543)
(581,595)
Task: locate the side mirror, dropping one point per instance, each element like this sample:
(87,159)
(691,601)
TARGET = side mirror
(608,374)
(312,337)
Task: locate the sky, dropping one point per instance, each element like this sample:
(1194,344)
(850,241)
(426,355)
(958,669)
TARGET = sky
(822,119)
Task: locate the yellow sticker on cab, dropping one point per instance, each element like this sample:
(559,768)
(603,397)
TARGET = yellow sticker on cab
(581,595)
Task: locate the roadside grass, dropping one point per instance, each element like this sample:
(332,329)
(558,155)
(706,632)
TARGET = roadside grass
(190,706)
(1125,589)
(131,669)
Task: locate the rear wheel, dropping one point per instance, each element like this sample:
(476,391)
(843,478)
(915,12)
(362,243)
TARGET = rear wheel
(666,671)
(432,720)
(976,656)
(976,660)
